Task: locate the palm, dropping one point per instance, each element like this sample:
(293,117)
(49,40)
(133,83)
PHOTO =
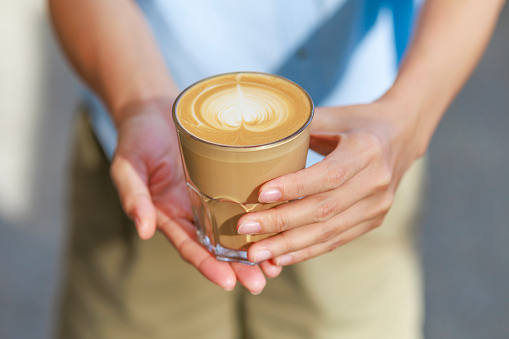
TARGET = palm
(148,174)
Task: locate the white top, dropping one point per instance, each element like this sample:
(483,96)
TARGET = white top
(341,51)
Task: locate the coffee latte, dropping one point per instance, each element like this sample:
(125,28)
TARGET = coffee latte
(236,132)
(243,109)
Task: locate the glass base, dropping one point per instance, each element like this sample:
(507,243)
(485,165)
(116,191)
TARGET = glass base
(221,253)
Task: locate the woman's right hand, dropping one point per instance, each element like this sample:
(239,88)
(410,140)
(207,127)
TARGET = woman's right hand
(148,174)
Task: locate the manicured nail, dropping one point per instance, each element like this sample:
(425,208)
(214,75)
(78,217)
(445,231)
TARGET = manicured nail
(270,195)
(262,255)
(284,260)
(249,227)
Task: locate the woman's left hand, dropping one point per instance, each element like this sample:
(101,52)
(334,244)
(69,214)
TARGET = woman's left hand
(368,148)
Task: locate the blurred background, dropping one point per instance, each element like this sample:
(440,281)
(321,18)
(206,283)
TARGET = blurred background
(465,229)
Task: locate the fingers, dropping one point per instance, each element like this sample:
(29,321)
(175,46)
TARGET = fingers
(328,174)
(354,152)
(131,183)
(319,249)
(183,236)
(310,210)
(251,277)
(368,210)
(270,269)
(321,177)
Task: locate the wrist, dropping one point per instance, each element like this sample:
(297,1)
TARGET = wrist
(158,105)
(409,124)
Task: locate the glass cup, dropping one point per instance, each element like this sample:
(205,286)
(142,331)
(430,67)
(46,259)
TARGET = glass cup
(223,182)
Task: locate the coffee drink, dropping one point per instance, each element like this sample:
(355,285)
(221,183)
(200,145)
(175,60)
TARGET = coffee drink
(236,132)
(243,109)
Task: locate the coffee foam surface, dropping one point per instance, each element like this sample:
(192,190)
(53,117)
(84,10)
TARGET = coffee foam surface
(243,109)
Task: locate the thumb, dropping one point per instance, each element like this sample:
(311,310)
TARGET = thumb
(130,179)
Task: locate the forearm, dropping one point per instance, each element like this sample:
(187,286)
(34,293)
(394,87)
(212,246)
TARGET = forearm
(112,48)
(450,38)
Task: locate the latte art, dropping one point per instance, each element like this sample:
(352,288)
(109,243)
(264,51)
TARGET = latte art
(252,108)
(243,109)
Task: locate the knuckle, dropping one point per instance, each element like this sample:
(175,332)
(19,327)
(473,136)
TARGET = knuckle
(335,175)
(286,244)
(384,178)
(185,259)
(183,250)
(372,144)
(297,189)
(339,242)
(386,202)
(325,233)
(325,209)
(335,244)
(280,221)
(307,253)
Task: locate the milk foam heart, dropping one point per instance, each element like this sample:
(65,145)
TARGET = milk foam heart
(243,109)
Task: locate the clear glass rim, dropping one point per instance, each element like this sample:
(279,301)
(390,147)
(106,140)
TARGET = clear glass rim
(248,147)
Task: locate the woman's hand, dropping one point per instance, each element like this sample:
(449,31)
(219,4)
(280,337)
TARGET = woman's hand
(367,148)
(148,174)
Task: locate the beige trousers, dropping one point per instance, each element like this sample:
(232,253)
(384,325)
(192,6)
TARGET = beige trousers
(120,287)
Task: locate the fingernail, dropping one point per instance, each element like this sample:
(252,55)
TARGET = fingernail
(256,293)
(270,195)
(249,227)
(284,260)
(262,255)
